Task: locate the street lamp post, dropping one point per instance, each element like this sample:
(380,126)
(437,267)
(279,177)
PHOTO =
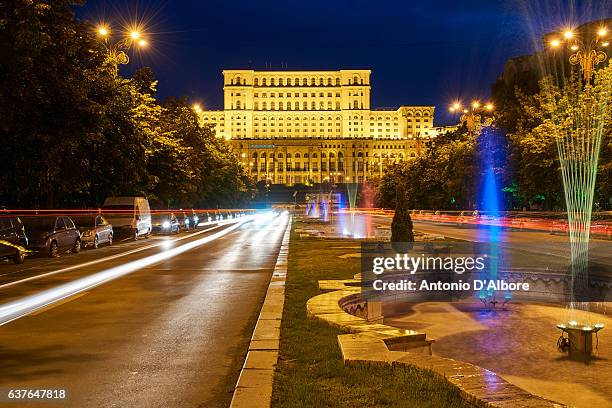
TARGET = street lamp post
(116,51)
(473,116)
(578,135)
(587,51)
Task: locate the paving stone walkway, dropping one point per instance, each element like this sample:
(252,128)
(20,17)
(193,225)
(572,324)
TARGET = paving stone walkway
(378,344)
(519,344)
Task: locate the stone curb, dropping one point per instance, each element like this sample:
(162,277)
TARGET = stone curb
(254,386)
(378,344)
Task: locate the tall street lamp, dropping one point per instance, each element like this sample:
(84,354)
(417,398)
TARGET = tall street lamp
(476,116)
(116,51)
(197,108)
(587,50)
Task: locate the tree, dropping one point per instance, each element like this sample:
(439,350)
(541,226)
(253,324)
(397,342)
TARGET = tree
(401,225)
(117,159)
(443,178)
(190,166)
(77,132)
(47,69)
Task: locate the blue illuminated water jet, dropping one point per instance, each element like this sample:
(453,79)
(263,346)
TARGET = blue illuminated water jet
(490,148)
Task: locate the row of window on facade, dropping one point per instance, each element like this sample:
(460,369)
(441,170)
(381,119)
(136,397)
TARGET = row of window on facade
(297,155)
(331,146)
(296,106)
(289,166)
(321,125)
(314,120)
(358,166)
(314,126)
(298,179)
(316,134)
(296,94)
(297,81)
(372,118)
(324,155)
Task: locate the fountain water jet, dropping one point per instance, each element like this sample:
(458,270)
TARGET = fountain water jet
(351,191)
(490,201)
(575,106)
(578,110)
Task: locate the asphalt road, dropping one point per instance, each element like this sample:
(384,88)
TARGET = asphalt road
(170,334)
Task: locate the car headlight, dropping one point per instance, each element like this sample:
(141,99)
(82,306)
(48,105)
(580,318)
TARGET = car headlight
(166,224)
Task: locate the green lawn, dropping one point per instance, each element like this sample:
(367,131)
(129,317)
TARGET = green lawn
(310,371)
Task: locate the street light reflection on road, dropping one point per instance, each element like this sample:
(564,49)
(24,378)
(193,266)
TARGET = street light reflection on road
(22,307)
(264,217)
(268,228)
(168,243)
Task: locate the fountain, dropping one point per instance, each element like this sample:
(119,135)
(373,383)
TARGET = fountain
(577,111)
(351,191)
(489,145)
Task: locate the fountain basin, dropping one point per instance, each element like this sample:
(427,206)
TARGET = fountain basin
(580,337)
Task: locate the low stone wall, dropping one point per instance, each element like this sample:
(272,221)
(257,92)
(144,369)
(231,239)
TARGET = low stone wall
(544,286)
(375,343)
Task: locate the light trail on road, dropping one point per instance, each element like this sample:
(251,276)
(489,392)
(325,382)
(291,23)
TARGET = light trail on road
(105,259)
(23,307)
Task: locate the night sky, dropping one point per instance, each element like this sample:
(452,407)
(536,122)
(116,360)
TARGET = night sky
(420,52)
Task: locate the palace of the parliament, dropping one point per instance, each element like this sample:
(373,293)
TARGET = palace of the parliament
(290,127)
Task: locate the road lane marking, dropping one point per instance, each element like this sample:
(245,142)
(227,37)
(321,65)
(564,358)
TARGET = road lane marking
(29,304)
(105,259)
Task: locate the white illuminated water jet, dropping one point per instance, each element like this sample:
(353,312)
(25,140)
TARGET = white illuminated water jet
(579,117)
(575,107)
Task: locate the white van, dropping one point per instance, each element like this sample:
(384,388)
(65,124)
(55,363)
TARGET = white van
(131,214)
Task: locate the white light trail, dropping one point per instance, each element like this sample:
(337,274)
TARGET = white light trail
(165,244)
(22,307)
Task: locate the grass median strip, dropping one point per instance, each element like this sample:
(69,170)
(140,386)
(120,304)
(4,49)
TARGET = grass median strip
(310,371)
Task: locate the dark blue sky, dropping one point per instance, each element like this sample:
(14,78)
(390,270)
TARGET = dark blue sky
(420,52)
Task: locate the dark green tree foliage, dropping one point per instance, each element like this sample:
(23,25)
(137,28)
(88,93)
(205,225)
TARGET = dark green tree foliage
(190,166)
(402,235)
(523,154)
(47,68)
(534,156)
(401,225)
(443,178)
(73,132)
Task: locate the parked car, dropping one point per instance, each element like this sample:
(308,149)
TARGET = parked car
(166,223)
(95,230)
(51,235)
(129,214)
(13,238)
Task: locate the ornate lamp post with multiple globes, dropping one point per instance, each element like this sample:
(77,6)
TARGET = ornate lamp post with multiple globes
(476,116)
(578,119)
(587,51)
(116,51)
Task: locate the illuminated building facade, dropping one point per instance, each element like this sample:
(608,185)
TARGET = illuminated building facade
(308,127)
